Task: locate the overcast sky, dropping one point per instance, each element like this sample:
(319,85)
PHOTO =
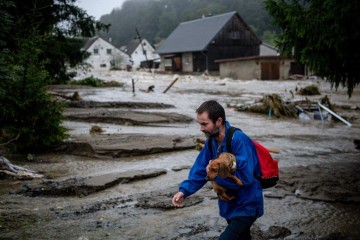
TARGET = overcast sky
(97,8)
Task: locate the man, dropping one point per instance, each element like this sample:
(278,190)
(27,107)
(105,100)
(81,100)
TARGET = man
(247,206)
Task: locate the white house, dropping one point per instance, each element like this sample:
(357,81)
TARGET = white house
(104,55)
(142,55)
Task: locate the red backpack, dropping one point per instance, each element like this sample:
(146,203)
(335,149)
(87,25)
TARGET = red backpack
(268,165)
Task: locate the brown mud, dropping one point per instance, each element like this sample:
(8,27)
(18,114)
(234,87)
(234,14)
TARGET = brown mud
(119,186)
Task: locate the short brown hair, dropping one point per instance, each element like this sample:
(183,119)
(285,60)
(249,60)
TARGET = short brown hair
(214,109)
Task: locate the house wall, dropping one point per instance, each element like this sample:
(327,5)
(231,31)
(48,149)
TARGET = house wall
(285,66)
(166,64)
(138,55)
(233,41)
(187,62)
(103,53)
(162,63)
(244,70)
(251,69)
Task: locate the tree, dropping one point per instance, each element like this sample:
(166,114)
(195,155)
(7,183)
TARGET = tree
(27,112)
(38,42)
(322,34)
(61,22)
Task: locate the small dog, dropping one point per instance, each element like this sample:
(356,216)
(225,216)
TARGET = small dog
(224,166)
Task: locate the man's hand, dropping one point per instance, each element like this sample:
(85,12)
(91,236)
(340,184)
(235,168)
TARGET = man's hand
(178,199)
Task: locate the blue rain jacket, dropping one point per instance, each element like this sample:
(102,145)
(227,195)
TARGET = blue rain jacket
(248,198)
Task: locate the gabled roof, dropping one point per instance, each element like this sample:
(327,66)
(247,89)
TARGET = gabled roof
(89,42)
(132,45)
(195,35)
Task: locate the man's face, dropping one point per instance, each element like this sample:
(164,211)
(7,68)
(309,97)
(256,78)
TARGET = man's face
(209,128)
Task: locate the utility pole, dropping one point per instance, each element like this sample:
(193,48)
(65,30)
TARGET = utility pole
(144,52)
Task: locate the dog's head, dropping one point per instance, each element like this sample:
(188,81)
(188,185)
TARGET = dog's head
(220,166)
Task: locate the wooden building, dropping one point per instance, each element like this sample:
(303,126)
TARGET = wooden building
(195,45)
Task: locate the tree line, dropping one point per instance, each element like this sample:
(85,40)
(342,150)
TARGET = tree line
(155,20)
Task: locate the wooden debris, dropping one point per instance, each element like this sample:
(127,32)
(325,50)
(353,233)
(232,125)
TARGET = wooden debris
(17,172)
(272,105)
(96,129)
(172,83)
(74,97)
(310,90)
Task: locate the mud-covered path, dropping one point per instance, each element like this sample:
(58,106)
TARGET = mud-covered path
(317,197)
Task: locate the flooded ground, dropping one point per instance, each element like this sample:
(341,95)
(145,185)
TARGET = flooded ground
(322,152)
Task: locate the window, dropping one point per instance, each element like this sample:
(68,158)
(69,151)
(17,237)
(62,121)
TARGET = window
(144,52)
(96,51)
(108,51)
(234,35)
(103,65)
(186,59)
(167,62)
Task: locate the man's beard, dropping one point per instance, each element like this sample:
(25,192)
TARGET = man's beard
(213,134)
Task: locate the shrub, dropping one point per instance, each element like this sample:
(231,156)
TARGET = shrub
(95,82)
(89,81)
(27,112)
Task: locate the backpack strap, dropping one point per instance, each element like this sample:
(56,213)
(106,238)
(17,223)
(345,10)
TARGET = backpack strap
(210,146)
(229,136)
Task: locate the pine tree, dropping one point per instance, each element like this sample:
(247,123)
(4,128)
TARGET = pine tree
(28,114)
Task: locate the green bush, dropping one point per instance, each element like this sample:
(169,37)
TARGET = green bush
(95,82)
(89,81)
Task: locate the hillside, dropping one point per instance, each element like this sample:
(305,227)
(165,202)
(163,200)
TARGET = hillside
(156,19)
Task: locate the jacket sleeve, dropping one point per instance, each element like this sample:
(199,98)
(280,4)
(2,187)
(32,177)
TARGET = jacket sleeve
(246,161)
(197,174)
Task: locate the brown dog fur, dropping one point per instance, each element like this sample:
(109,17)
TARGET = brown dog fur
(222,166)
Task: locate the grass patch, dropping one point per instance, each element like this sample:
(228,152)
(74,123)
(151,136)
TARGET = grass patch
(95,82)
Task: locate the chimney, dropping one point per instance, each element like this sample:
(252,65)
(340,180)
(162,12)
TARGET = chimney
(110,39)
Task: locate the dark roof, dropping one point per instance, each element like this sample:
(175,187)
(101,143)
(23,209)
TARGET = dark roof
(194,35)
(132,45)
(89,42)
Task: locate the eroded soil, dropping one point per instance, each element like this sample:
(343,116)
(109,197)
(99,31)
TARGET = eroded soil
(118,184)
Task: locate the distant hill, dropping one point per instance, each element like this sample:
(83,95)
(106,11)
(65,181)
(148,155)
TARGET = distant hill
(156,19)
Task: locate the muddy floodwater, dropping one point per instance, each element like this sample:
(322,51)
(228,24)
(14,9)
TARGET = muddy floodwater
(146,149)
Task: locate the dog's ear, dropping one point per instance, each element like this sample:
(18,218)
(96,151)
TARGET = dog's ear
(223,170)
